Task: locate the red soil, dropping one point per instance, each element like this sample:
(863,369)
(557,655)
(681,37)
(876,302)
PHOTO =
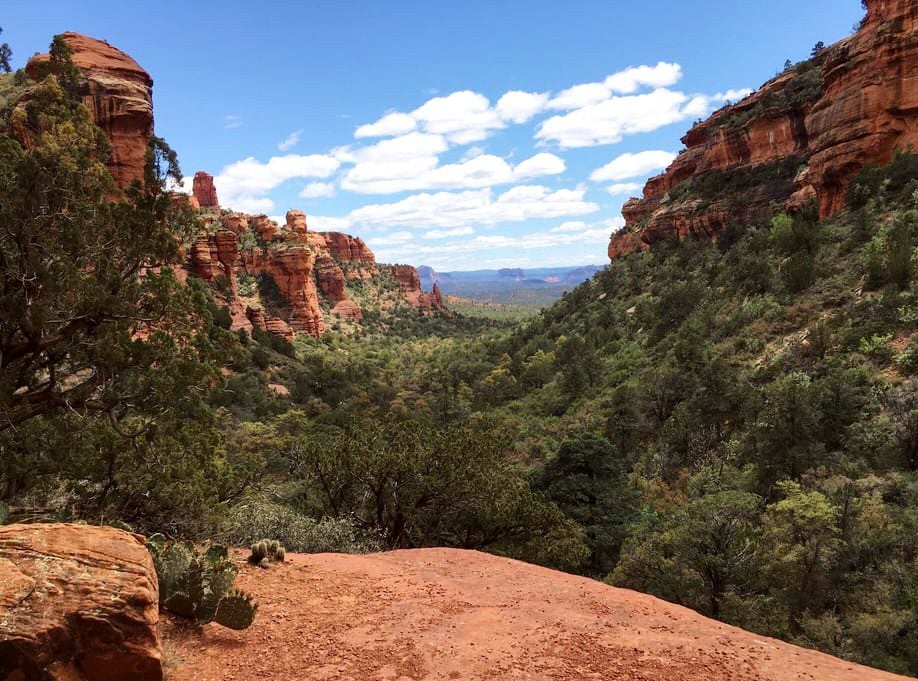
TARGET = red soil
(449,614)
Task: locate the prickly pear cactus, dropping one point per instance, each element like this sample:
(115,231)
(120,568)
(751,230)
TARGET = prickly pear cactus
(236,610)
(200,586)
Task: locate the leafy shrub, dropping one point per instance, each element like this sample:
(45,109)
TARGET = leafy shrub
(200,586)
(253,520)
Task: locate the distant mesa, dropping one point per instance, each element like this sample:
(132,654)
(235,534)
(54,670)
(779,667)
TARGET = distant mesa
(801,137)
(511,273)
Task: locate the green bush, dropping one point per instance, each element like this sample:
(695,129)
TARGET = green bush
(253,520)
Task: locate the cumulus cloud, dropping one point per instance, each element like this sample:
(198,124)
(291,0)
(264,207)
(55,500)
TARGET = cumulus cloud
(243,184)
(608,121)
(291,141)
(390,125)
(463,117)
(620,188)
(633,165)
(570,226)
(411,163)
(315,190)
(391,239)
(448,233)
(516,106)
(627,81)
(459,209)
(578,233)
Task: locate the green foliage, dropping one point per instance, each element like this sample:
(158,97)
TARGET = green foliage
(200,586)
(6,53)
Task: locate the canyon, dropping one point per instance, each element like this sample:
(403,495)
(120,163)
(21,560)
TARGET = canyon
(799,139)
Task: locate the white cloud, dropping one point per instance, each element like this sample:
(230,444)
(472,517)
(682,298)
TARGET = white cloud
(252,205)
(231,122)
(570,226)
(292,140)
(325,223)
(448,233)
(579,233)
(447,209)
(608,121)
(244,183)
(392,239)
(463,117)
(634,77)
(516,106)
(633,165)
(315,190)
(624,82)
(390,125)
(411,163)
(624,188)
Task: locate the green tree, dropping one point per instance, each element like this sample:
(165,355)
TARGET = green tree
(92,317)
(5,55)
(588,480)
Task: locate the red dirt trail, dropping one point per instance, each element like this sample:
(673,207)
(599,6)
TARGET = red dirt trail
(430,614)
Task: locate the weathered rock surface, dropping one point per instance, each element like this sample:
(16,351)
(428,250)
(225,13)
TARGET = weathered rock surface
(204,190)
(77,603)
(330,278)
(347,248)
(803,135)
(291,268)
(119,95)
(437,614)
(409,283)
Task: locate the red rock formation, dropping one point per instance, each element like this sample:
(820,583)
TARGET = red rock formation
(346,248)
(291,268)
(330,278)
(204,190)
(77,602)
(855,108)
(274,325)
(119,95)
(236,223)
(264,227)
(214,254)
(409,283)
(349,309)
(296,224)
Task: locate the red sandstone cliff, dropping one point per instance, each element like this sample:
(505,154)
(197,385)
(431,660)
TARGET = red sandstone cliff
(802,136)
(119,95)
(409,283)
(204,190)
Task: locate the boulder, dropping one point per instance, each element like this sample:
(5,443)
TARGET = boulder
(77,603)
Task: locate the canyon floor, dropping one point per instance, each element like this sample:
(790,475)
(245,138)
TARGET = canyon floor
(447,614)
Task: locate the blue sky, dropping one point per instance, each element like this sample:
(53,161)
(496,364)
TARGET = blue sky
(460,135)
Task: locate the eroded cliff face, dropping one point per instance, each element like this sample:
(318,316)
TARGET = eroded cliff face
(310,269)
(118,94)
(204,191)
(801,137)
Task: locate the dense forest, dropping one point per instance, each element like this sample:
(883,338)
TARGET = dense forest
(729,425)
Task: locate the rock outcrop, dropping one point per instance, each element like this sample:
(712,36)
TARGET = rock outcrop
(347,248)
(308,268)
(802,136)
(409,283)
(204,190)
(77,603)
(118,94)
(435,614)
